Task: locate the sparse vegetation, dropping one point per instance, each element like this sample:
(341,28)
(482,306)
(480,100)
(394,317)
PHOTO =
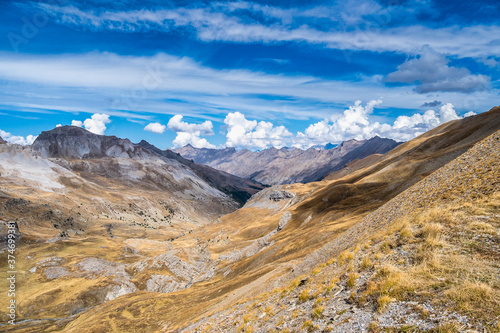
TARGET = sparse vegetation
(351,280)
(318,312)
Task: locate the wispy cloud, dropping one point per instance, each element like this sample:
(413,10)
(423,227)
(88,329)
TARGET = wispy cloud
(221,23)
(137,87)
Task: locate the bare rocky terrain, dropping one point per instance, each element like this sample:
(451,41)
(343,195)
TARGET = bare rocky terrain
(287,165)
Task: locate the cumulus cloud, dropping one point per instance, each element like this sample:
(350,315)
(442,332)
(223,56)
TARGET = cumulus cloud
(20,140)
(59,125)
(355,123)
(250,134)
(95,124)
(447,113)
(188,133)
(430,71)
(155,128)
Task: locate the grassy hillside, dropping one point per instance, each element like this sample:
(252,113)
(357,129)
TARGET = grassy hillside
(426,260)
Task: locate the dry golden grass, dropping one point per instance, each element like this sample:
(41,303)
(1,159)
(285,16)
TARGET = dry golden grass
(472,297)
(436,215)
(383,302)
(345,257)
(309,326)
(331,285)
(450,327)
(351,280)
(366,263)
(318,312)
(459,280)
(304,295)
(432,231)
(483,227)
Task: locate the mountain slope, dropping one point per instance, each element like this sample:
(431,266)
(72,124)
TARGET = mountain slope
(287,231)
(286,166)
(238,188)
(98,217)
(409,265)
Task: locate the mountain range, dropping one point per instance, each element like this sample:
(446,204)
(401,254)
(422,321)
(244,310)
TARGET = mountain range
(74,145)
(287,166)
(123,237)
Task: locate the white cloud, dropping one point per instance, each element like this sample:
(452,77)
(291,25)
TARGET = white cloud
(199,90)
(155,128)
(59,125)
(250,134)
(20,140)
(95,124)
(190,133)
(222,23)
(469,114)
(447,113)
(430,71)
(77,123)
(355,123)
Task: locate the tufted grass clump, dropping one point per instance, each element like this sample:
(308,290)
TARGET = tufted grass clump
(351,280)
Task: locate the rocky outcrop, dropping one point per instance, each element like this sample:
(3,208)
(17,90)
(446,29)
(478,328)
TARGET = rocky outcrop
(2,141)
(277,195)
(287,165)
(76,142)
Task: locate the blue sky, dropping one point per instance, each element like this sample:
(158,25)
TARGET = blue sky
(245,74)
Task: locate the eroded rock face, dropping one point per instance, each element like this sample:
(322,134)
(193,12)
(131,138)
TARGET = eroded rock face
(120,290)
(75,142)
(163,284)
(55,272)
(284,219)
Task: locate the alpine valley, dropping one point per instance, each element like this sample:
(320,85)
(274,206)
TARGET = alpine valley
(371,235)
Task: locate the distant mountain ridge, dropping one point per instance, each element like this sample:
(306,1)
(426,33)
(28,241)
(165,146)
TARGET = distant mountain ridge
(286,166)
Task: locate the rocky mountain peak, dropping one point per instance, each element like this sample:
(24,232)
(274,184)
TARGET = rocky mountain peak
(1,141)
(76,142)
